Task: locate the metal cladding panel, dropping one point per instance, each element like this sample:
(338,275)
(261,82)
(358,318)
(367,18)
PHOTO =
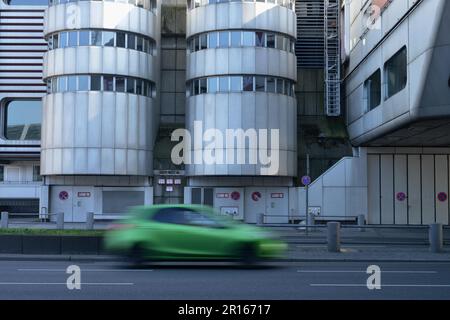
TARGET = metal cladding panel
(242,111)
(102,15)
(100,60)
(261,61)
(241,15)
(97,133)
(22,47)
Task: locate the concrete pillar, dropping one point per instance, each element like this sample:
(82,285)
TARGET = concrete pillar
(361,222)
(90,221)
(60,220)
(5,220)
(436,236)
(334,236)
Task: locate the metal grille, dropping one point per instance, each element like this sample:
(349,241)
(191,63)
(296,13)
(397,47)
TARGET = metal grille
(332,59)
(310,46)
(22,47)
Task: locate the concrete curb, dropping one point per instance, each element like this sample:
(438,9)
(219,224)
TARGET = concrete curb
(97,258)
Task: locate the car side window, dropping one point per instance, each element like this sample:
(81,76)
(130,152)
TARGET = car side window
(197,219)
(170,215)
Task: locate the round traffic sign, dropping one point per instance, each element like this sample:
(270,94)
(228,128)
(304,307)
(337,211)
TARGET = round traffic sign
(63,195)
(442,197)
(306,180)
(401,196)
(235,195)
(256,196)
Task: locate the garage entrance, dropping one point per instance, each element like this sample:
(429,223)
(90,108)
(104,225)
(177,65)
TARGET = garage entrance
(408,189)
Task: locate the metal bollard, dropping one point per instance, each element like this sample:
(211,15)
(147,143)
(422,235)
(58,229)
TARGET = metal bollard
(90,221)
(361,222)
(60,220)
(5,218)
(436,237)
(261,219)
(334,236)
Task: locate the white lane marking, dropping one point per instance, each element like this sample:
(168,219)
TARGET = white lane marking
(383,285)
(64,283)
(363,271)
(83,270)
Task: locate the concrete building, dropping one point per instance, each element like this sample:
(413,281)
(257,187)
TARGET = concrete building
(91,92)
(397,98)
(241,70)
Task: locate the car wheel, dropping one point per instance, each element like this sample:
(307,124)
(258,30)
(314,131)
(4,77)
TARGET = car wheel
(136,255)
(248,255)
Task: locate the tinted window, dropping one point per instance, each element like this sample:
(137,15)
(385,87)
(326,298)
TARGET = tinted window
(170,215)
(396,73)
(372,91)
(23,120)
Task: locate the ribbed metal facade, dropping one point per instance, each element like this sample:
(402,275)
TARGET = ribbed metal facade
(310,33)
(22,47)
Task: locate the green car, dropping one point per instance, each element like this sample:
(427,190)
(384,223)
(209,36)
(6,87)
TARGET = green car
(189,232)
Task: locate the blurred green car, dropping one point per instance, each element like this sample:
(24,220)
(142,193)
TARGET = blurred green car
(189,232)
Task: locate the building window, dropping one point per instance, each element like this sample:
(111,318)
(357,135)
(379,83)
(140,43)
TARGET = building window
(192,4)
(101,38)
(245,83)
(2,173)
(238,39)
(77,83)
(37,173)
(372,91)
(23,120)
(248,83)
(395,70)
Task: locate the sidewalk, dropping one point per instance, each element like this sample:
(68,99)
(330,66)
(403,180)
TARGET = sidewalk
(297,253)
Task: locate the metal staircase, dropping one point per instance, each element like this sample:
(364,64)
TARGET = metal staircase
(332,58)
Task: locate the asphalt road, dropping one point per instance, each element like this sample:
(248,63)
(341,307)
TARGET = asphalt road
(292,281)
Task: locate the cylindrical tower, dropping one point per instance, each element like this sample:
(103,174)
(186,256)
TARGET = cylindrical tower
(241,71)
(102,70)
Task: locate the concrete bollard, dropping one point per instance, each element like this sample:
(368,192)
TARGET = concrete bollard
(261,219)
(5,220)
(90,221)
(60,220)
(334,236)
(361,222)
(436,237)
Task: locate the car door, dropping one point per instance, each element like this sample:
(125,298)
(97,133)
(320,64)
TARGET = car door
(205,236)
(165,232)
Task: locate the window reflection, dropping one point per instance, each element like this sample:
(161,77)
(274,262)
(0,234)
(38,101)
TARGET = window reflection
(23,120)
(247,83)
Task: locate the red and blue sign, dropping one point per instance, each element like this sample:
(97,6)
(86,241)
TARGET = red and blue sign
(442,196)
(235,195)
(306,180)
(256,196)
(401,196)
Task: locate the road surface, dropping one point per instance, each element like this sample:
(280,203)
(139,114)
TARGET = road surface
(290,281)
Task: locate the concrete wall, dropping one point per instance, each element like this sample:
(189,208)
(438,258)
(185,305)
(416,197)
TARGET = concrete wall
(419,26)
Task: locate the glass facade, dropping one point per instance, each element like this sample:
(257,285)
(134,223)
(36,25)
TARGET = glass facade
(237,39)
(108,83)
(101,38)
(247,83)
(192,4)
